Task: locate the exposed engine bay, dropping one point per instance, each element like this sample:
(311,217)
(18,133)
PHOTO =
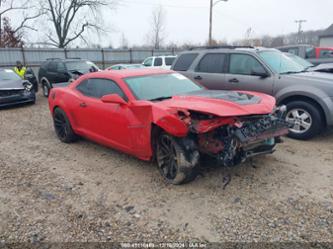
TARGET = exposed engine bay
(233,140)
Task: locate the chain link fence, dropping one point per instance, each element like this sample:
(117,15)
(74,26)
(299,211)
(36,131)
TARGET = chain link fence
(33,57)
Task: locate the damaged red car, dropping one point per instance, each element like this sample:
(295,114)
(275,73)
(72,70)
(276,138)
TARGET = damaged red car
(164,116)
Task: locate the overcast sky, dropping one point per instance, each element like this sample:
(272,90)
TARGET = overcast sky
(187,20)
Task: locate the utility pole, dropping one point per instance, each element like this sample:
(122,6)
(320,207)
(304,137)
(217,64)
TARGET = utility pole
(300,23)
(212,4)
(0,25)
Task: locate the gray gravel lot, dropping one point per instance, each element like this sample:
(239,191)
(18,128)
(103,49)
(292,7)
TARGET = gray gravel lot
(51,191)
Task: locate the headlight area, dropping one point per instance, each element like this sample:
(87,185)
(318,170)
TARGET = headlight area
(27,86)
(233,140)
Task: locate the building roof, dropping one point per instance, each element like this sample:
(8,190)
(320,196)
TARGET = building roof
(328,32)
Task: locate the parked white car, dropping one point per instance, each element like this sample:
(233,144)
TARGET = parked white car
(163,62)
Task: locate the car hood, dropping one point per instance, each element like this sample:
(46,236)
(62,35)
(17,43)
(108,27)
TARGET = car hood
(11,84)
(327,67)
(311,77)
(222,103)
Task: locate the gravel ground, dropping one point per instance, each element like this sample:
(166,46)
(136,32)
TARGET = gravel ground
(50,191)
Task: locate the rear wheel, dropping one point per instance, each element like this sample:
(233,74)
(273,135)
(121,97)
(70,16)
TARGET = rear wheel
(63,127)
(176,165)
(306,119)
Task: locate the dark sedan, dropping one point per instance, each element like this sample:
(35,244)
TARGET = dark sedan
(14,90)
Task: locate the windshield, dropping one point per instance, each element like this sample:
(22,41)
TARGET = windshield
(81,66)
(300,61)
(280,63)
(160,86)
(134,66)
(8,74)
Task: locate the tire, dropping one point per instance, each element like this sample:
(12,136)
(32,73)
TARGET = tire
(307,118)
(176,165)
(63,127)
(46,90)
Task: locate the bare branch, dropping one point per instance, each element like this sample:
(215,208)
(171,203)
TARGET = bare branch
(72,18)
(157,27)
(26,19)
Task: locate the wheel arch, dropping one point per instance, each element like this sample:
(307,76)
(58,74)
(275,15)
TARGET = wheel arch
(44,80)
(154,134)
(287,99)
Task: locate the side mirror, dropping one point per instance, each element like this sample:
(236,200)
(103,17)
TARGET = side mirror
(261,73)
(114,99)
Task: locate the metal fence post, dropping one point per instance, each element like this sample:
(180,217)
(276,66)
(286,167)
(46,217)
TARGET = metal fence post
(103,58)
(23,56)
(131,56)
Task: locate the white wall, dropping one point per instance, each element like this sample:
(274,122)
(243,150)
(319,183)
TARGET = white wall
(326,42)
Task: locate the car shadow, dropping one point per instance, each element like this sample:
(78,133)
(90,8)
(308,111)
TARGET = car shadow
(16,106)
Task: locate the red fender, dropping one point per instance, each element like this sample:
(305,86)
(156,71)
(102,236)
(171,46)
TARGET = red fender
(172,125)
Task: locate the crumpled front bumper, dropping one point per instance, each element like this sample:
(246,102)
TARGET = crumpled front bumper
(17,97)
(254,136)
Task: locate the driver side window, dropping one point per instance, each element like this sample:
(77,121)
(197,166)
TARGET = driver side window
(244,64)
(97,88)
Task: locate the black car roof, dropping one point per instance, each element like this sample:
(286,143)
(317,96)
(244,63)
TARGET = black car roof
(64,59)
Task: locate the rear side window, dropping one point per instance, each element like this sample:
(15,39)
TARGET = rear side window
(184,62)
(212,63)
(326,53)
(158,62)
(169,60)
(97,88)
(52,66)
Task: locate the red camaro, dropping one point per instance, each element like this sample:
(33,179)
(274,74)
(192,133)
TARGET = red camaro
(162,115)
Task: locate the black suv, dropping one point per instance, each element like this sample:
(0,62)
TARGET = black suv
(57,72)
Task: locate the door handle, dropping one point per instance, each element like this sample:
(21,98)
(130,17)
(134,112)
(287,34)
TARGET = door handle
(198,77)
(83,105)
(234,80)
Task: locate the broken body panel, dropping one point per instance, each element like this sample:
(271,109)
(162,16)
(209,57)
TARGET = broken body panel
(229,126)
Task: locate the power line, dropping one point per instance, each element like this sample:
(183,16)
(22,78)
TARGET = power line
(163,5)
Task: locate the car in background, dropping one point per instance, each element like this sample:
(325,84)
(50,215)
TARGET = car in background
(308,95)
(315,55)
(324,68)
(14,90)
(163,62)
(31,77)
(55,72)
(125,66)
(162,115)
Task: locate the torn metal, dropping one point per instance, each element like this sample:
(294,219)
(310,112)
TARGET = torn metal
(231,140)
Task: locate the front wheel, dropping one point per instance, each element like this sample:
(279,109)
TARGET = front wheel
(175,165)
(46,90)
(63,127)
(305,118)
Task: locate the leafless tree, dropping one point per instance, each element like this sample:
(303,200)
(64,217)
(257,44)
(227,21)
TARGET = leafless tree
(123,42)
(157,33)
(71,19)
(23,9)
